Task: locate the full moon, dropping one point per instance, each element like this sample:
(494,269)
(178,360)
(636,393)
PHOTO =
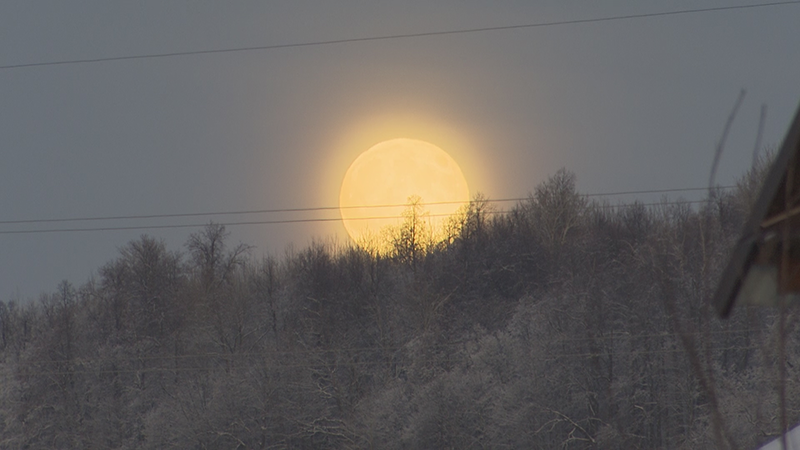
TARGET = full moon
(377,186)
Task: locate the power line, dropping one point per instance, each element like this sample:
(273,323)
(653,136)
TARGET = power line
(286,221)
(657,191)
(316,208)
(398,36)
(250,222)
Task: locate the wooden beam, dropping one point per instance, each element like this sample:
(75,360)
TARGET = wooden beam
(780,217)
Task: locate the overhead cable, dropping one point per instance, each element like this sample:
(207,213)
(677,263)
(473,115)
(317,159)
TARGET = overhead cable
(317,208)
(287,221)
(397,36)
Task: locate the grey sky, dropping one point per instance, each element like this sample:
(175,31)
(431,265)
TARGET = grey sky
(626,105)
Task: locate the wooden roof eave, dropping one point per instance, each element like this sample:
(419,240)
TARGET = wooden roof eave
(747,248)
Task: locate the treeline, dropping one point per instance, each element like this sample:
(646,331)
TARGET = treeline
(560,324)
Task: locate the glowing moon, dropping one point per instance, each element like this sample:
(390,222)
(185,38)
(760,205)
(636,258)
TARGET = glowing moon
(388,174)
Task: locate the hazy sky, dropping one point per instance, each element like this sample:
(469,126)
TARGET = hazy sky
(627,105)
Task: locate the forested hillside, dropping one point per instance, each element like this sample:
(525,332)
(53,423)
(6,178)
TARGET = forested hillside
(560,324)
